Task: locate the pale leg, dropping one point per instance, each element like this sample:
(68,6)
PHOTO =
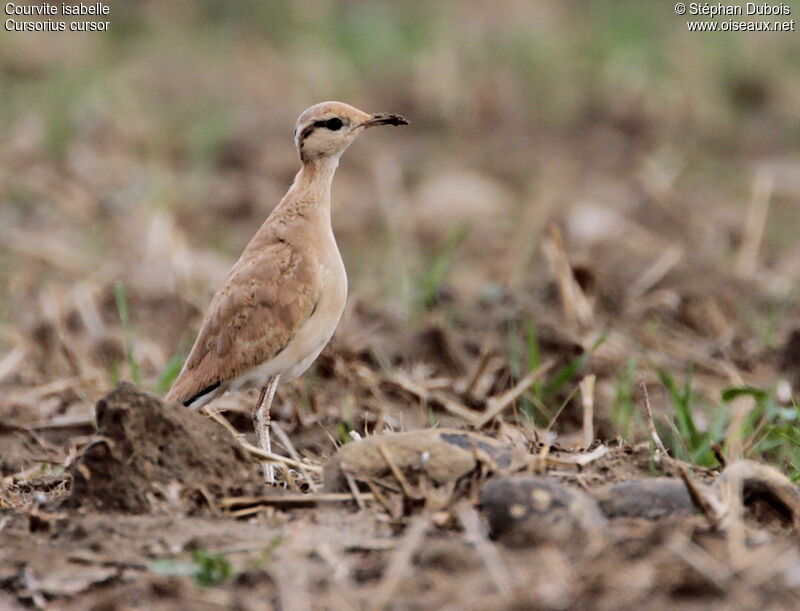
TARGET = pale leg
(262,424)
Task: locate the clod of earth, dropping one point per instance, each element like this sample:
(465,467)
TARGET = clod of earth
(651,499)
(150,456)
(442,455)
(526,511)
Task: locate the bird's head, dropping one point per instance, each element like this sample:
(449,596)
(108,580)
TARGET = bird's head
(328,128)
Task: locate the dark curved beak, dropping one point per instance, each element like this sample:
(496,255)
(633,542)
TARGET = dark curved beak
(384,118)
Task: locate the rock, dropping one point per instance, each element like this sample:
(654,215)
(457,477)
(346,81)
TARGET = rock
(151,456)
(526,511)
(651,499)
(443,455)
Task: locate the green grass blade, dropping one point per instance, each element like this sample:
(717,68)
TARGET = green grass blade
(170,372)
(431,280)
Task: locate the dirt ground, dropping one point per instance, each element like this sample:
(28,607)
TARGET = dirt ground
(159,507)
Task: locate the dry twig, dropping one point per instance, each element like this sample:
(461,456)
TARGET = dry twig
(756,220)
(294,500)
(651,424)
(276,458)
(287,443)
(498,404)
(697,496)
(486,550)
(587,400)
(577,309)
(401,560)
(398,474)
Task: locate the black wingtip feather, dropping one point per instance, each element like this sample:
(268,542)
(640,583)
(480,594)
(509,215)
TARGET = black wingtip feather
(203,392)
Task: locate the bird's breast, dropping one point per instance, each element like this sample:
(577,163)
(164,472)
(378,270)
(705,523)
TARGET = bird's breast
(315,333)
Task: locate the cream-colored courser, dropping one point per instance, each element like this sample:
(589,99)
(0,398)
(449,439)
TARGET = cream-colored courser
(282,300)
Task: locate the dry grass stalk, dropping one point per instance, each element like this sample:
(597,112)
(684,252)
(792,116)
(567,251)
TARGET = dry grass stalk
(747,261)
(295,462)
(587,400)
(700,500)
(701,561)
(697,496)
(287,443)
(379,496)
(276,458)
(486,550)
(355,491)
(578,312)
(498,404)
(80,421)
(477,374)
(293,500)
(12,361)
(651,424)
(563,405)
(528,237)
(734,440)
(580,459)
(400,564)
(538,462)
(402,381)
(217,417)
(337,562)
(292,584)
(398,474)
(653,274)
(251,511)
(455,408)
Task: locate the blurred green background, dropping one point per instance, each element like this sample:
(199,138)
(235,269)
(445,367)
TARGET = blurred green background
(188,107)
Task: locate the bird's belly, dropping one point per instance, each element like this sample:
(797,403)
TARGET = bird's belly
(303,349)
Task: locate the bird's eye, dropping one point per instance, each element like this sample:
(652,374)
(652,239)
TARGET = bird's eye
(334,124)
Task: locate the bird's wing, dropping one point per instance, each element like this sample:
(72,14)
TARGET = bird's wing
(268,295)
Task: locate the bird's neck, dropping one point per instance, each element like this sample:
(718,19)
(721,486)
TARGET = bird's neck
(314,179)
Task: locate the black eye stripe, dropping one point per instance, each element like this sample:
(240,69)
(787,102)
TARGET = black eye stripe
(306,132)
(333,124)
